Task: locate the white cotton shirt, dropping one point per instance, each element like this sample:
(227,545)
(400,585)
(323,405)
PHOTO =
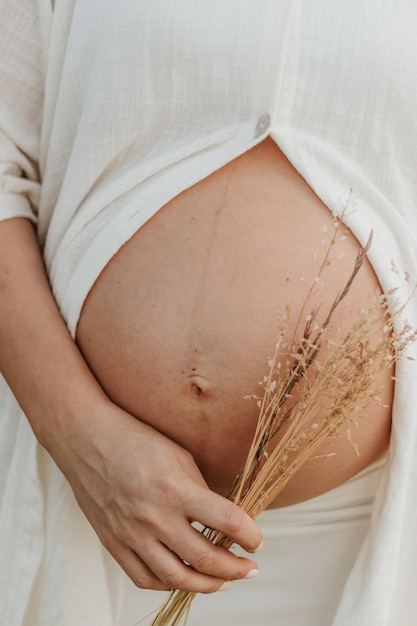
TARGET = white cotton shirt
(110,109)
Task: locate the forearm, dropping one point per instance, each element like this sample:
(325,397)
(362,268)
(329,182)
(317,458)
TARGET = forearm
(38,357)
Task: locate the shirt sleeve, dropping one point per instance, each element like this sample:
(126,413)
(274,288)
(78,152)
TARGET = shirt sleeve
(21,105)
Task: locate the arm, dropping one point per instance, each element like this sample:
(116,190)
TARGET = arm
(138,489)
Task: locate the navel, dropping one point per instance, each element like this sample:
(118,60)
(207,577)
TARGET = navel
(196,390)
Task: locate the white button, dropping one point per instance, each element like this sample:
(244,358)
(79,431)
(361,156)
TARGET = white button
(262,125)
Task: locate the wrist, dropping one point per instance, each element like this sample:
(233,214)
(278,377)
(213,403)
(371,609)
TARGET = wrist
(64,409)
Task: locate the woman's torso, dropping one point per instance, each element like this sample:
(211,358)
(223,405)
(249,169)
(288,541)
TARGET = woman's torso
(179,326)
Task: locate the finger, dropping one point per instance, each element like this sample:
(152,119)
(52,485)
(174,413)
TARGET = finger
(136,569)
(174,573)
(209,559)
(221,514)
(158,568)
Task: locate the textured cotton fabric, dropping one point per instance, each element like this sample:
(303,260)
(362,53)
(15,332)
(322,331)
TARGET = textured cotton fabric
(107,111)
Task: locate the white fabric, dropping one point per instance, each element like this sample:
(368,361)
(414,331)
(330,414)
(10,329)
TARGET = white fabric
(107,111)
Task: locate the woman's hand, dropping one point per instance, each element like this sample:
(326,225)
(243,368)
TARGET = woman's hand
(140,491)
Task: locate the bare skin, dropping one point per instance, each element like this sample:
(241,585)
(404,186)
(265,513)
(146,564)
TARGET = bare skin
(179,326)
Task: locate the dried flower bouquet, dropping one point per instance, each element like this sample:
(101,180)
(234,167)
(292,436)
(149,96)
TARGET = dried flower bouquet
(305,401)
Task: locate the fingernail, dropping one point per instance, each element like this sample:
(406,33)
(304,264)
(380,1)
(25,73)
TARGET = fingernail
(258,548)
(226,586)
(252,574)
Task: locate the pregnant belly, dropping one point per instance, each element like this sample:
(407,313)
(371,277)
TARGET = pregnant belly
(179,326)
